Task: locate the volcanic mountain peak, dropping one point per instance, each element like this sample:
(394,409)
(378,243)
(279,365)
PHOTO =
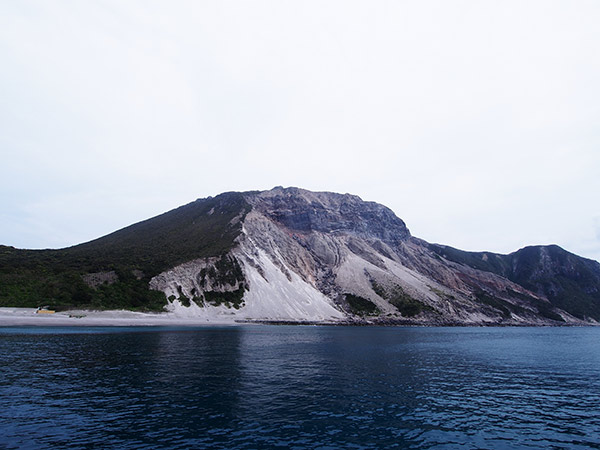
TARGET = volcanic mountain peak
(302,210)
(289,254)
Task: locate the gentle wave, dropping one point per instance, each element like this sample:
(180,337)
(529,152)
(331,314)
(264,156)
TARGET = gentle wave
(300,387)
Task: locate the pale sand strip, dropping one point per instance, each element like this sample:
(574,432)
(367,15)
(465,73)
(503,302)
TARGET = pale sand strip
(28,317)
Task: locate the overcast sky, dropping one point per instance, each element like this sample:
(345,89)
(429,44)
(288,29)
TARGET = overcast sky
(477,122)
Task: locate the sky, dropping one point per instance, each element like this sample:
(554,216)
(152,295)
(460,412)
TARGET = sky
(476,122)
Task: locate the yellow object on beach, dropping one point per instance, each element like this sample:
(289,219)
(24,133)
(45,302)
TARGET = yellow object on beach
(45,311)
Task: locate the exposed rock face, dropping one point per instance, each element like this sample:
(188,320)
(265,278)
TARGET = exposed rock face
(207,282)
(305,211)
(323,257)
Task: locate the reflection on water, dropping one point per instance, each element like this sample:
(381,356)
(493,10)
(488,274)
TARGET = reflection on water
(300,387)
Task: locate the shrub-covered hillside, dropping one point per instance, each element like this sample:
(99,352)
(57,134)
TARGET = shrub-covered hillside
(569,281)
(113,271)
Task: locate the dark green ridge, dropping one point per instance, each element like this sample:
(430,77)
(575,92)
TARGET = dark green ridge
(569,281)
(203,228)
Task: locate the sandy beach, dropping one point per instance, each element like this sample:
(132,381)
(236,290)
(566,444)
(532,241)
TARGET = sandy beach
(28,317)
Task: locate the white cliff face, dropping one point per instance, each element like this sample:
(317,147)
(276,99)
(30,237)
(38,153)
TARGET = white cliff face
(305,256)
(275,292)
(182,279)
(275,295)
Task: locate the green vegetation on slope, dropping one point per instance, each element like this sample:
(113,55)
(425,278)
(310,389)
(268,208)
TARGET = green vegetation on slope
(228,298)
(498,304)
(404,303)
(361,306)
(223,276)
(486,261)
(570,282)
(204,228)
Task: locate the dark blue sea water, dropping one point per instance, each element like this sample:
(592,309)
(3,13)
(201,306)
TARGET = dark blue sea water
(279,387)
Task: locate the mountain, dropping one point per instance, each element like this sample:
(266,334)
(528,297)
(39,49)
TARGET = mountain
(292,255)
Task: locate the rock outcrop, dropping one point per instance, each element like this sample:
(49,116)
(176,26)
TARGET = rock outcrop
(307,256)
(292,255)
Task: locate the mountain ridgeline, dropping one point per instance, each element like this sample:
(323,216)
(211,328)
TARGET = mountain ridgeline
(291,255)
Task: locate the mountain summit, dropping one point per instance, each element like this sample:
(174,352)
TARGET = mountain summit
(292,255)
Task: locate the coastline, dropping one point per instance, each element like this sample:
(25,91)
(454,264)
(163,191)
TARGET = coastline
(119,318)
(15,317)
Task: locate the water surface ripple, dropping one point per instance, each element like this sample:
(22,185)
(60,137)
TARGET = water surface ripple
(270,387)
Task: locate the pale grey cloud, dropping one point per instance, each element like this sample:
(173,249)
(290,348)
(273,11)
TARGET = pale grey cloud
(476,122)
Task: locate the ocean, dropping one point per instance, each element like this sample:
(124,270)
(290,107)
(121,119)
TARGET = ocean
(299,387)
